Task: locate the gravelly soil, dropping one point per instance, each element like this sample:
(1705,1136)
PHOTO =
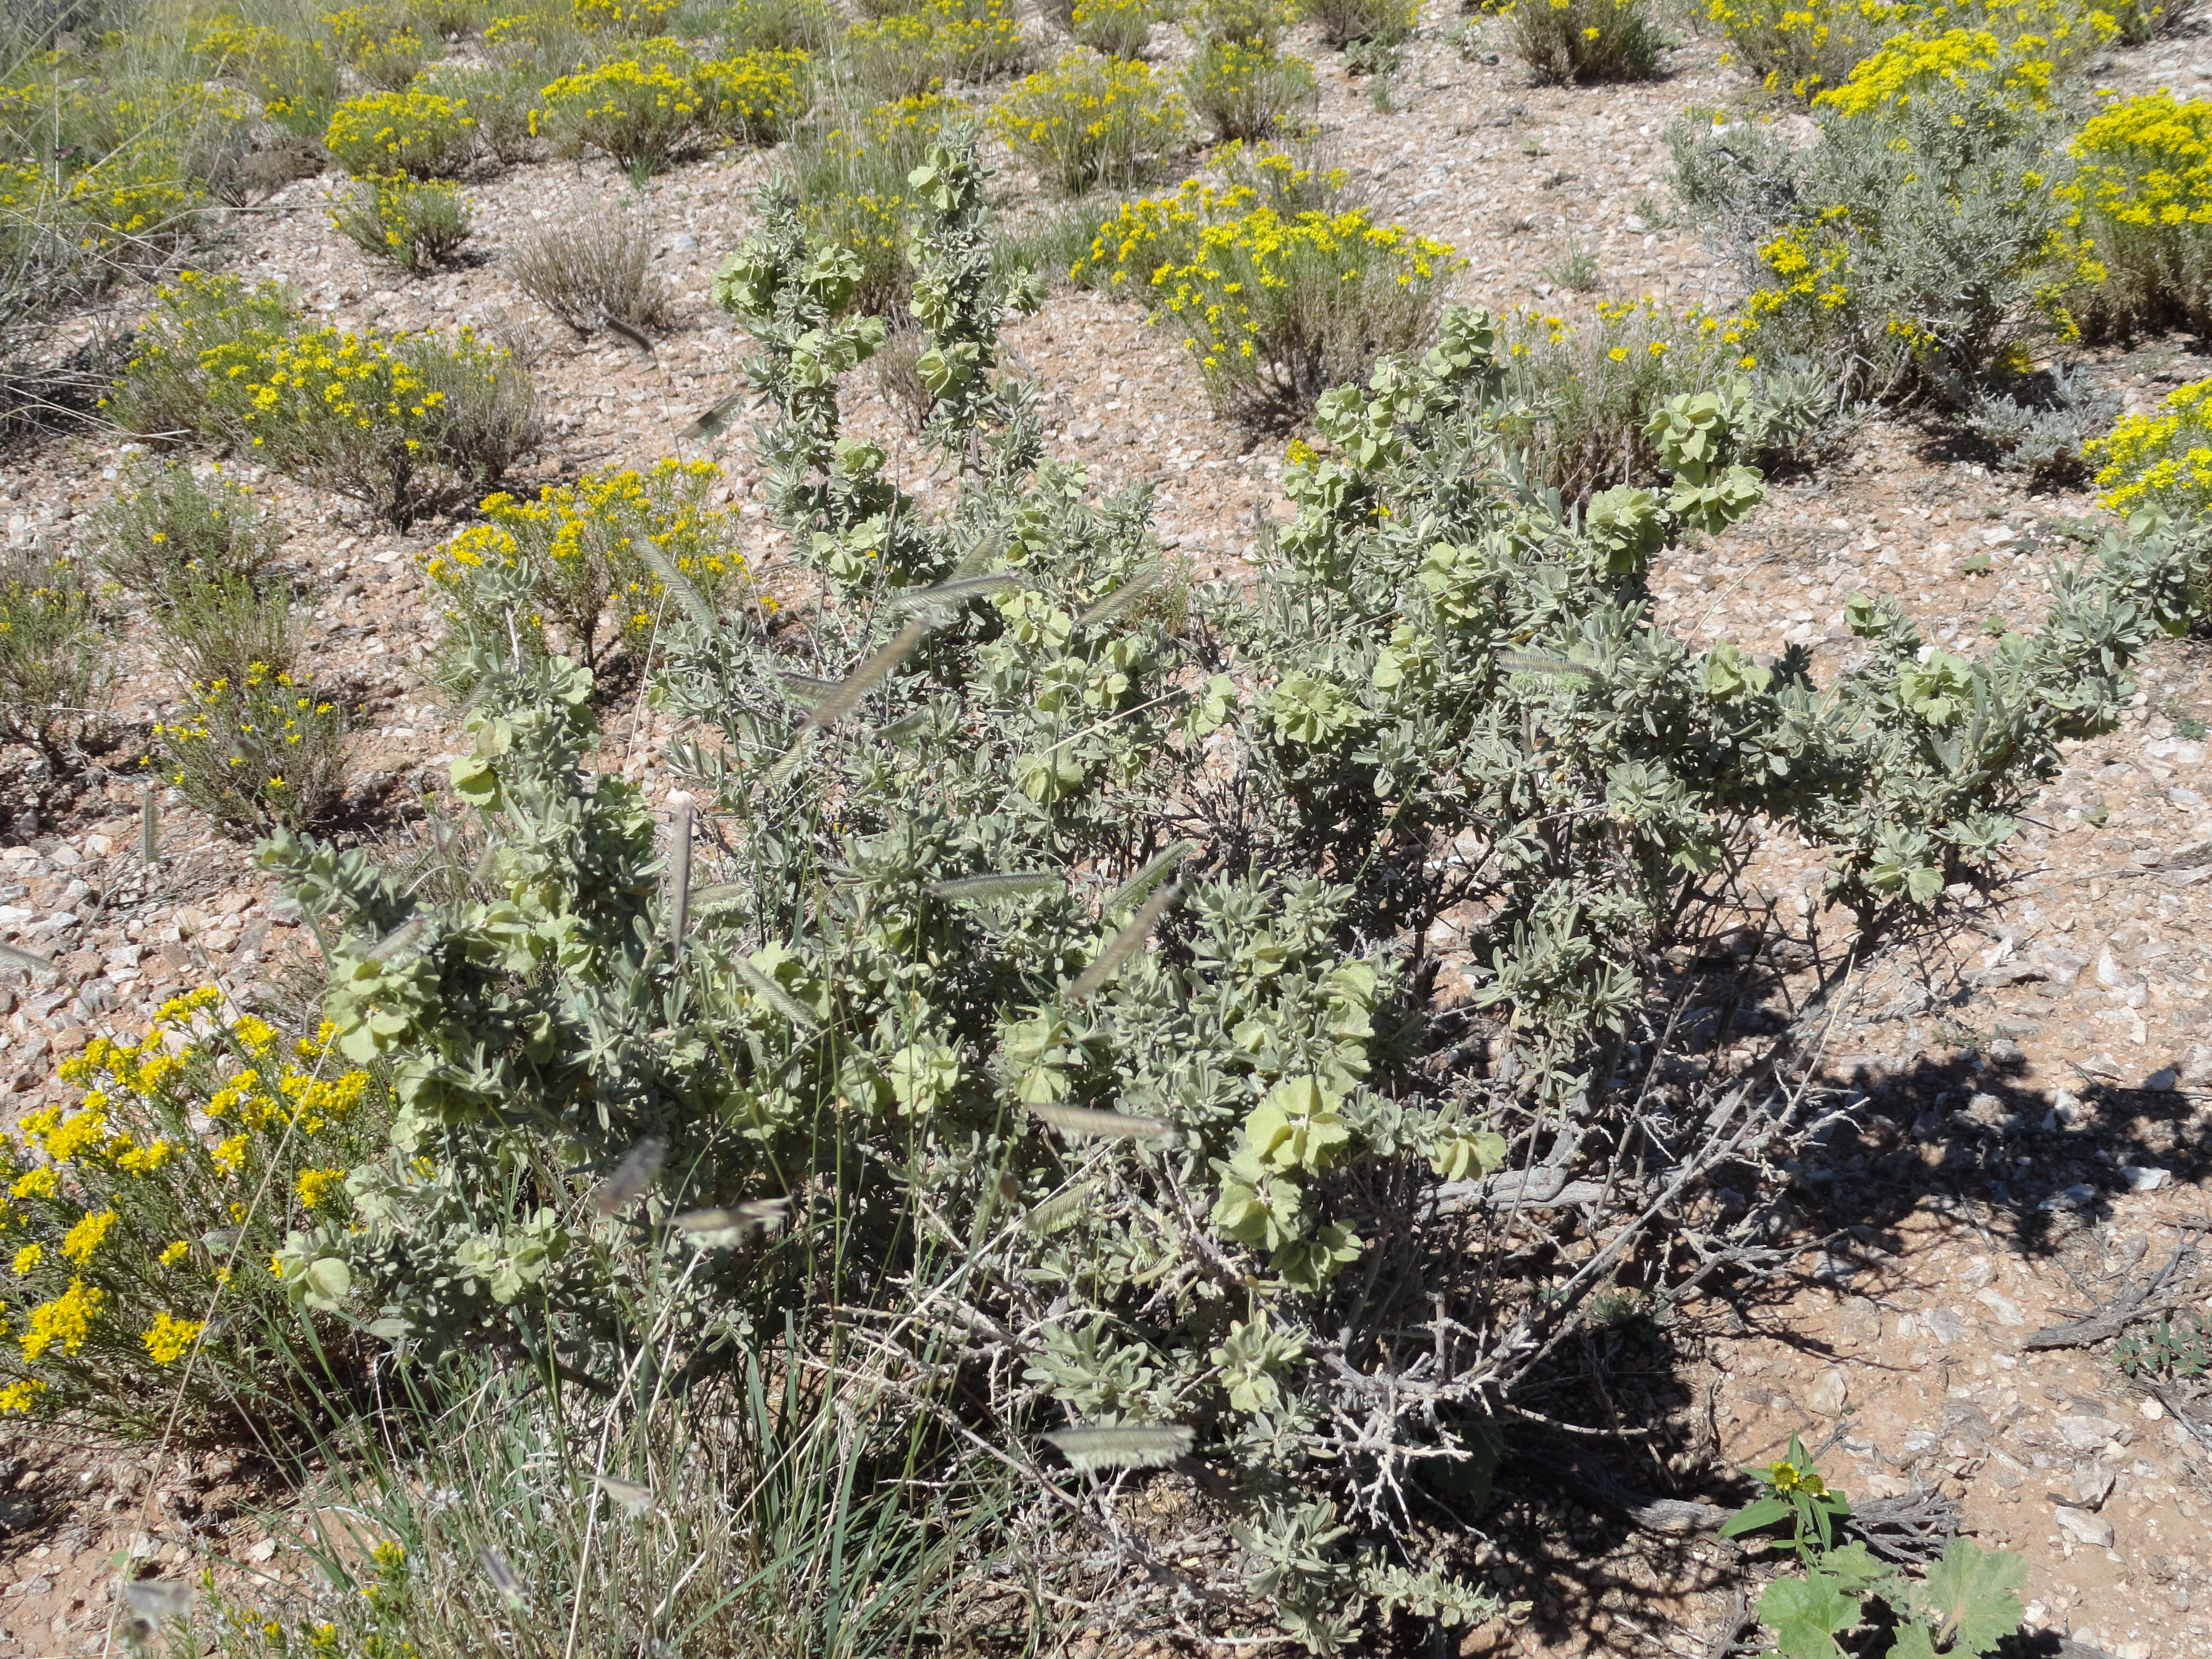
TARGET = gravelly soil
(2036,1124)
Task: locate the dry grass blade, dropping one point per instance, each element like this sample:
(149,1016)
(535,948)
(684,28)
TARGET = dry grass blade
(694,602)
(713,422)
(1125,944)
(1142,580)
(633,1499)
(1123,1446)
(958,591)
(1527,662)
(776,996)
(630,1179)
(1081,1120)
(1148,878)
(1013,885)
(679,875)
(862,680)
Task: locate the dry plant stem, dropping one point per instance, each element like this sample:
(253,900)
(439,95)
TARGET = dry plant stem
(2160,1295)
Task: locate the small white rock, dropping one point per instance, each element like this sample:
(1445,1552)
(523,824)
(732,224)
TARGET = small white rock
(2092,1529)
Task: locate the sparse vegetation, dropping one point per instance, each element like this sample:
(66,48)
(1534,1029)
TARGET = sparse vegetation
(166,527)
(54,665)
(417,225)
(1247,94)
(1584,41)
(586,268)
(1090,118)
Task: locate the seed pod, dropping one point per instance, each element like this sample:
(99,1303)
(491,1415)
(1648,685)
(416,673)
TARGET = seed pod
(1122,1446)
(630,1179)
(633,1499)
(501,1576)
(1081,1120)
(1124,943)
(1013,885)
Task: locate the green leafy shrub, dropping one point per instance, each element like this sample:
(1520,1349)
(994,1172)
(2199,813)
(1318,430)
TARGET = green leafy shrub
(588,268)
(2143,191)
(569,559)
(54,663)
(417,133)
(1584,41)
(1245,94)
(166,527)
(1966,1603)
(2157,468)
(1373,23)
(1090,118)
(417,225)
(407,425)
(646,111)
(143,1220)
(257,744)
(1119,28)
(1276,303)
(980,969)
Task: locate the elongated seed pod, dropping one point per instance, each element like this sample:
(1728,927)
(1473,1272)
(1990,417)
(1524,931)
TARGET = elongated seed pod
(776,996)
(1527,662)
(635,336)
(714,421)
(1013,885)
(712,1229)
(630,1179)
(398,939)
(862,680)
(679,876)
(1081,1120)
(1163,864)
(636,1499)
(149,826)
(805,688)
(30,959)
(1142,580)
(1124,943)
(1122,1446)
(501,1576)
(958,591)
(694,602)
(715,897)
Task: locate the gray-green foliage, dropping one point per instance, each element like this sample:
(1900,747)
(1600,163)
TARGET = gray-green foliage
(1936,244)
(1064,982)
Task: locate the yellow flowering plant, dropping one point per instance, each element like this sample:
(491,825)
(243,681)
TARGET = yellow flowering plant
(1277,300)
(418,133)
(646,111)
(1090,118)
(1584,40)
(55,655)
(2142,191)
(416,224)
(137,1224)
(574,552)
(911,52)
(264,750)
(407,424)
(386,48)
(1243,94)
(296,81)
(2160,462)
(1120,28)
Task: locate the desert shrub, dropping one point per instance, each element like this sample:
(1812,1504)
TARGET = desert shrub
(1090,118)
(416,224)
(1255,25)
(808,25)
(55,661)
(1004,957)
(907,54)
(416,133)
(570,554)
(1584,41)
(2142,190)
(647,111)
(2160,464)
(407,424)
(256,745)
(1245,94)
(1276,305)
(2038,423)
(1851,247)
(1814,48)
(1119,28)
(499,97)
(1373,22)
(625,16)
(875,226)
(1805,48)
(166,527)
(143,1220)
(586,267)
(387,51)
(297,83)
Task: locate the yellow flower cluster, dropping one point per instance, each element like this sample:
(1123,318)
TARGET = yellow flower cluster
(646,109)
(418,133)
(2018,69)
(413,223)
(169,1338)
(629,16)
(295,79)
(576,540)
(1089,117)
(1814,46)
(934,41)
(2161,461)
(2146,162)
